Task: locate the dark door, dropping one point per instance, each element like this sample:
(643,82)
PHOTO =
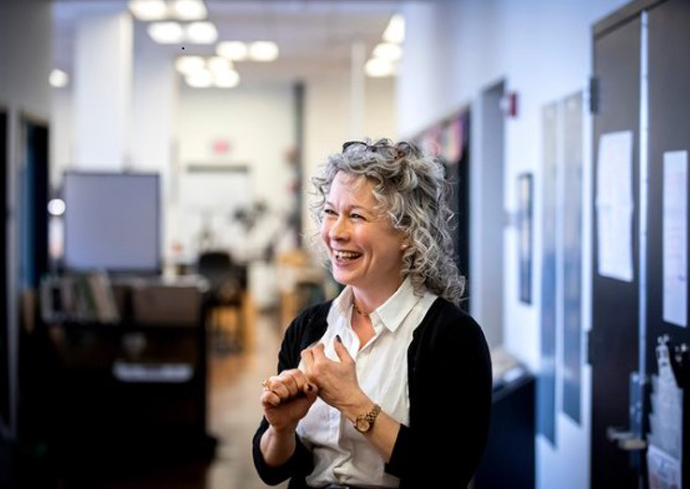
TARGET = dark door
(615,303)
(34,201)
(669,134)
(4,323)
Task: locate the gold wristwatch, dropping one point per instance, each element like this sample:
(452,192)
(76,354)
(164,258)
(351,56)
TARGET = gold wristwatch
(364,422)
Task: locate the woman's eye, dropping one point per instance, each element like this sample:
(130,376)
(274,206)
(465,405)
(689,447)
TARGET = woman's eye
(356,216)
(329,212)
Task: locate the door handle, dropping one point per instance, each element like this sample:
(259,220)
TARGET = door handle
(631,439)
(625,439)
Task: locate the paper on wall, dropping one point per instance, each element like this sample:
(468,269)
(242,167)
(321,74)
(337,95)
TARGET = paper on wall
(664,471)
(675,237)
(615,206)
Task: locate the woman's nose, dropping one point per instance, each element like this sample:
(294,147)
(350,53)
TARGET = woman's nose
(339,230)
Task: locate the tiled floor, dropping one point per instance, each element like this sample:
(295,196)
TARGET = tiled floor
(234,412)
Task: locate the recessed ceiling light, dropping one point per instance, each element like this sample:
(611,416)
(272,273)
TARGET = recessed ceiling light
(189,64)
(388,50)
(147,10)
(58,78)
(379,67)
(395,32)
(234,50)
(166,32)
(226,79)
(199,79)
(263,51)
(56,207)
(189,9)
(202,33)
(219,64)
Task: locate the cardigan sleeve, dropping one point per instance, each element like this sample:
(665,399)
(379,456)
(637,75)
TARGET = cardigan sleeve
(450,405)
(301,462)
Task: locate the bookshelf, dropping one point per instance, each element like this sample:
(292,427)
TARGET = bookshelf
(132,367)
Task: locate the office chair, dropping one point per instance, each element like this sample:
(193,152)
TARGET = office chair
(227,282)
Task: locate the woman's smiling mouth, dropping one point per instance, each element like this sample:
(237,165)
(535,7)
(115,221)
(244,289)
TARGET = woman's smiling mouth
(342,256)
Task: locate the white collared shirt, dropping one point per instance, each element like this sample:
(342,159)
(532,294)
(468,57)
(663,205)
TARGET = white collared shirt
(342,455)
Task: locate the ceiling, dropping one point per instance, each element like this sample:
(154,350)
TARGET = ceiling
(315,37)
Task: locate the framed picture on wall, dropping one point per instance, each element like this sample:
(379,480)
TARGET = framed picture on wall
(524,232)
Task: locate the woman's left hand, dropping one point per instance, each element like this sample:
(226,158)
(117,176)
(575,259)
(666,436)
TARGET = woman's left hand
(337,381)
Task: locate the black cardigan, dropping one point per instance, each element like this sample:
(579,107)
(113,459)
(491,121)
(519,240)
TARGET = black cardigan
(449,370)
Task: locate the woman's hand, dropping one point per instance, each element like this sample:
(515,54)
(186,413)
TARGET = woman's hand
(337,381)
(287,398)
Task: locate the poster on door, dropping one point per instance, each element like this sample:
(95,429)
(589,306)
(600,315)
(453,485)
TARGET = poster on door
(663,470)
(675,238)
(615,206)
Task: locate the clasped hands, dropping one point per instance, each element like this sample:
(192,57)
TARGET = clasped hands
(288,396)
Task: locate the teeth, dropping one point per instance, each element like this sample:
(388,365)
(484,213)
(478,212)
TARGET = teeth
(346,255)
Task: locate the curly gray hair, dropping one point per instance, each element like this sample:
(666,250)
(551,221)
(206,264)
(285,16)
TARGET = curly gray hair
(412,190)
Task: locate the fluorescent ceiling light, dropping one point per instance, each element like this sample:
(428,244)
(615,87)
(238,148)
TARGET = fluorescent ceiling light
(395,32)
(166,32)
(189,9)
(379,67)
(234,50)
(218,64)
(388,50)
(202,33)
(263,51)
(58,78)
(147,10)
(199,79)
(226,79)
(189,64)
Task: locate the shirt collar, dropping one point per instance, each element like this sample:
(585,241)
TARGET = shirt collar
(391,313)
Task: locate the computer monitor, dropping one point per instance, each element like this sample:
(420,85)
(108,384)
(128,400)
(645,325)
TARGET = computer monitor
(112,222)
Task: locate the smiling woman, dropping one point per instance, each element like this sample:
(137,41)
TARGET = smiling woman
(362,394)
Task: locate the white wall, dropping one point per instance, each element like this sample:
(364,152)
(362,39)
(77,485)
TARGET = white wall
(258,123)
(454,50)
(25,62)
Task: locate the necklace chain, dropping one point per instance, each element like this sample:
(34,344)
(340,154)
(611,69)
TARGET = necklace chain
(358,310)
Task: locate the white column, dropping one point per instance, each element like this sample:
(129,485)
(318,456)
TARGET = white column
(155,92)
(153,119)
(102,90)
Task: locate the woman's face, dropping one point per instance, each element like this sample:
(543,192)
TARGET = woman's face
(364,248)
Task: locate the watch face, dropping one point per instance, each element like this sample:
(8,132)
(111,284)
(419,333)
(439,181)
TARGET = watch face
(362,425)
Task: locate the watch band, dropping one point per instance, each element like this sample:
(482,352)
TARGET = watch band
(364,422)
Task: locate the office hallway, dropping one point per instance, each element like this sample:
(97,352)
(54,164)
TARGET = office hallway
(233,414)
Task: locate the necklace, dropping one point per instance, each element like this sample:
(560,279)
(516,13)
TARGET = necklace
(358,310)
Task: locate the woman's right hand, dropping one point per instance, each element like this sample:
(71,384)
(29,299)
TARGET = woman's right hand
(287,398)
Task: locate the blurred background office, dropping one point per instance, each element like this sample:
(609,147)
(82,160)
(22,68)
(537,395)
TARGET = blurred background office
(155,159)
